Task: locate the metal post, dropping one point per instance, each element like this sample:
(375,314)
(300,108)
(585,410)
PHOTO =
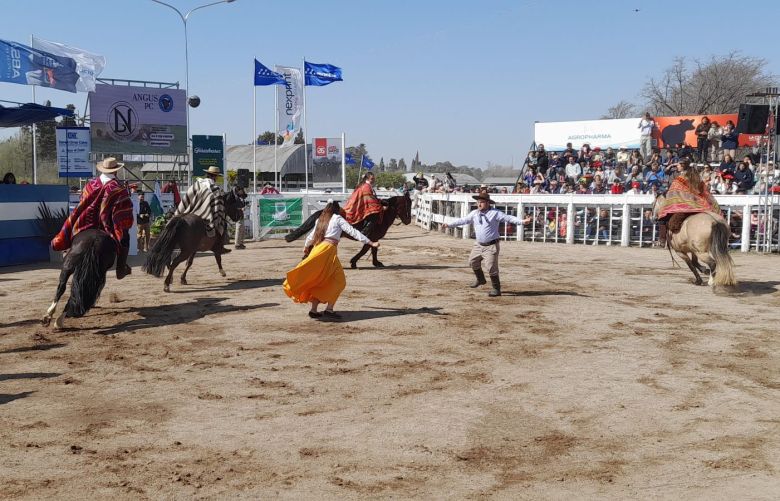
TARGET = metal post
(625,230)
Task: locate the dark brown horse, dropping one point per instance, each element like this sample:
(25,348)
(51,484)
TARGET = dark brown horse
(188,234)
(91,255)
(398,206)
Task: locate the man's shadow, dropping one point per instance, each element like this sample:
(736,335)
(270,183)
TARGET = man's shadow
(542,293)
(373,313)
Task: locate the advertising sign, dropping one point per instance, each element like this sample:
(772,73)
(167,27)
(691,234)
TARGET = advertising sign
(280,212)
(602,133)
(326,162)
(73,147)
(674,130)
(138,120)
(289,98)
(207,151)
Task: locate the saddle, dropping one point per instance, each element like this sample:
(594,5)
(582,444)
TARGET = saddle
(676,221)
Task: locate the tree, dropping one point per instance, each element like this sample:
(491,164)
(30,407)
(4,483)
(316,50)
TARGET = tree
(402,165)
(382,164)
(393,165)
(69,121)
(46,138)
(299,137)
(267,137)
(623,109)
(712,87)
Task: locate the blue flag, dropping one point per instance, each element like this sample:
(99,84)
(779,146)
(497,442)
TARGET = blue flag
(349,159)
(321,74)
(264,76)
(367,163)
(27,66)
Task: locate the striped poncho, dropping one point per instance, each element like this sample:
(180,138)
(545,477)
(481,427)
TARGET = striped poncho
(363,202)
(205,200)
(104,207)
(680,198)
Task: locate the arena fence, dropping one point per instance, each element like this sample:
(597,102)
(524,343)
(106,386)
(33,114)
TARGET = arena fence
(624,220)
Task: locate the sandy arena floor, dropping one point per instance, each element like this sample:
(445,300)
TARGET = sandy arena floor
(602,372)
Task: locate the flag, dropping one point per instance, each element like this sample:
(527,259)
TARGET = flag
(156,202)
(24,65)
(264,76)
(349,159)
(367,163)
(321,74)
(289,98)
(88,65)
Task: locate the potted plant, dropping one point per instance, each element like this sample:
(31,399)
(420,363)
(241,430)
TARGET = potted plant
(49,223)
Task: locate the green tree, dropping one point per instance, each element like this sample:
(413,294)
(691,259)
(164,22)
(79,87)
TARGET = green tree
(70,121)
(393,165)
(267,137)
(402,165)
(389,180)
(382,164)
(299,137)
(46,138)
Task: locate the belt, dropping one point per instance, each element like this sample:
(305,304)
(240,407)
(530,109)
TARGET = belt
(486,244)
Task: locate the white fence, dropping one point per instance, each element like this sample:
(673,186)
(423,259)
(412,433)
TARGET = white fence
(601,219)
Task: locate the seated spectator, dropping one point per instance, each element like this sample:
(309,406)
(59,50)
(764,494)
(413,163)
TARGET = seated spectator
(585,153)
(749,160)
(707,174)
(268,189)
(573,170)
(653,188)
(654,158)
(727,186)
(419,181)
(635,158)
(569,187)
(555,162)
(655,174)
(598,187)
(609,155)
(582,187)
(554,187)
(617,175)
(9,178)
(634,176)
(538,187)
(531,162)
(727,165)
(684,151)
(743,179)
(623,156)
(636,188)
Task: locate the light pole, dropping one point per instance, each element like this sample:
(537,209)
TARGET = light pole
(184,19)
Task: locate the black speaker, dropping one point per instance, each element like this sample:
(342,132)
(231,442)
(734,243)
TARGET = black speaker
(752,118)
(242,178)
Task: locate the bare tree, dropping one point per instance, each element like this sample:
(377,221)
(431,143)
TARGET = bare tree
(715,86)
(622,109)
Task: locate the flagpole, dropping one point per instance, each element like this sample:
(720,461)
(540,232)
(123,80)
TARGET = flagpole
(305,150)
(360,167)
(254,134)
(343,164)
(34,149)
(277,183)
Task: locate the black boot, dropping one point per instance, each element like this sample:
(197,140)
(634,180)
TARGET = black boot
(496,286)
(480,278)
(122,269)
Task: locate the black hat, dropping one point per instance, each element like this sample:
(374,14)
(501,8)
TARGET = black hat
(483,195)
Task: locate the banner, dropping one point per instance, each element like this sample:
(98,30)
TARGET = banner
(602,133)
(280,212)
(674,130)
(289,99)
(264,76)
(88,65)
(24,65)
(138,120)
(321,74)
(326,162)
(207,151)
(73,147)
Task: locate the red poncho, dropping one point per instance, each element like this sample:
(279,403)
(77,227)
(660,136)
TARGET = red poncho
(361,203)
(104,207)
(680,198)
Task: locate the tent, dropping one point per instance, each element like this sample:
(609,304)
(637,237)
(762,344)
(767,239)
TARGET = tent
(28,114)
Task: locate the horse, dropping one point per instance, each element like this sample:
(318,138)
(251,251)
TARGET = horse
(188,234)
(399,206)
(91,255)
(703,237)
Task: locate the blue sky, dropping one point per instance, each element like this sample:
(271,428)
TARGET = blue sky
(456,80)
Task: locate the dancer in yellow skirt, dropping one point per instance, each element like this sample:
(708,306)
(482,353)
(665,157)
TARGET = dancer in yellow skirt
(319,278)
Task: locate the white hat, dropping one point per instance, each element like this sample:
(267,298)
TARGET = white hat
(109,165)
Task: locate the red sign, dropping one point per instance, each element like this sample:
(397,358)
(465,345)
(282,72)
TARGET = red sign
(674,130)
(320,147)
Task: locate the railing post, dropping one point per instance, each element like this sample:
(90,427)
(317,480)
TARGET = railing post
(520,216)
(570,216)
(254,214)
(745,228)
(625,229)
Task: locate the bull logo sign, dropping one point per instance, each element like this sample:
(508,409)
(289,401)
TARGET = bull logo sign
(123,121)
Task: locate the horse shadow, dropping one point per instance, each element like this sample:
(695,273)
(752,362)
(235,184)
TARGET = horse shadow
(10,397)
(749,288)
(235,286)
(542,293)
(21,323)
(29,375)
(173,314)
(35,347)
(411,267)
(374,313)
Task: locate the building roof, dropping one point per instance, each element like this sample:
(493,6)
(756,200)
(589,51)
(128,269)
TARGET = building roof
(497,180)
(289,160)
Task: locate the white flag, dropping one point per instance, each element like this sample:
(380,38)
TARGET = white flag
(290,103)
(88,65)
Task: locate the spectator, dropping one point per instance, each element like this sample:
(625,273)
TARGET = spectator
(617,176)
(729,140)
(585,153)
(646,126)
(582,187)
(748,159)
(268,189)
(143,221)
(654,158)
(727,165)
(623,155)
(555,188)
(713,140)
(542,161)
(420,183)
(538,187)
(655,174)
(598,187)
(609,156)
(726,185)
(702,132)
(636,188)
(635,158)
(573,170)
(532,159)
(684,151)
(708,176)
(635,176)
(9,178)
(569,151)
(743,178)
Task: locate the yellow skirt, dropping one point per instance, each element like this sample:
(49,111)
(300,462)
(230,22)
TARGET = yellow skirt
(319,276)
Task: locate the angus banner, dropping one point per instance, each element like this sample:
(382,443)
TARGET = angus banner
(275,212)
(326,162)
(138,120)
(207,151)
(289,98)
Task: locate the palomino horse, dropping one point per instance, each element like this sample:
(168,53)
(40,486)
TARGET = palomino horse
(188,234)
(703,238)
(398,206)
(91,255)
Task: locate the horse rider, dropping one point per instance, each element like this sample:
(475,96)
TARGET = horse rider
(105,205)
(364,205)
(206,199)
(687,195)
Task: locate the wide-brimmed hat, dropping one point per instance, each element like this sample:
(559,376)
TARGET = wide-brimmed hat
(109,165)
(213,170)
(483,195)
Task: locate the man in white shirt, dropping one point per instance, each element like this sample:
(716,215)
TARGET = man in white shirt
(646,126)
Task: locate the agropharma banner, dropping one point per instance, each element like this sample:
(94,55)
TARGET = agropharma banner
(138,120)
(602,133)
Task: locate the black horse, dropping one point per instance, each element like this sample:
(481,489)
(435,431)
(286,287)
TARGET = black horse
(188,234)
(91,255)
(398,206)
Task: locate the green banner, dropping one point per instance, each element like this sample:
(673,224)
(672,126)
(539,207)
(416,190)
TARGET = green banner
(206,151)
(277,212)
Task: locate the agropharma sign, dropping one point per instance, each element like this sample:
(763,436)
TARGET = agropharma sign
(139,120)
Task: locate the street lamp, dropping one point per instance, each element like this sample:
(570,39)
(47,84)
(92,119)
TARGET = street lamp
(184,19)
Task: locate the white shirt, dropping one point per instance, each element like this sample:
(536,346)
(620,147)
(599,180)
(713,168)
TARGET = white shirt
(104,178)
(646,127)
(337,225)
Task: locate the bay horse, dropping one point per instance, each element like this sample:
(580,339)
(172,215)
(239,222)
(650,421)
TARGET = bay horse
(91,255)
(398,206)
(703,238)
(188,234)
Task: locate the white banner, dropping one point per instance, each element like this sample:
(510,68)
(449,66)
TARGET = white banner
(601,133)
(73,147)
(326,162)
(290,103)
(88,65)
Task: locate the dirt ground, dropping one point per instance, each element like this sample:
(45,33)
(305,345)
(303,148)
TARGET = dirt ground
(601,372)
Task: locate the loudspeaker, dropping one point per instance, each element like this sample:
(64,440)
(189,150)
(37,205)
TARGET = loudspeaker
(242,178)
(752,118)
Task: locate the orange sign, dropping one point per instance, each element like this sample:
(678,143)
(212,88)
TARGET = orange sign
(674,130)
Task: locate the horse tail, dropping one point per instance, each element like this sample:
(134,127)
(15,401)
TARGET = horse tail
(719,249)
(89,277)
(304,228)
(160,254)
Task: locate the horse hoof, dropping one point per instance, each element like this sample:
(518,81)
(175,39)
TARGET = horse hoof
(45,321)
(58,324)
(222,272)
(166,289)
(378,265)
(183,282)
(353,265)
